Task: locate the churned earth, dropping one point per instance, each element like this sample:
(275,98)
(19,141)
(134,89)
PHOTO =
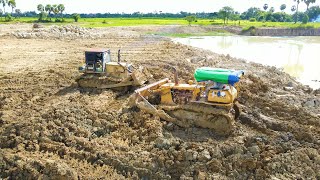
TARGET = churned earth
(52,129)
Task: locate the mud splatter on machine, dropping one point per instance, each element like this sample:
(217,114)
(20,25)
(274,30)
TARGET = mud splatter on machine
(211,102)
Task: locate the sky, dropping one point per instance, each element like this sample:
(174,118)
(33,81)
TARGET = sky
(129,6)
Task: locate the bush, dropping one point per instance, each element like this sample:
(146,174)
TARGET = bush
(252,20)
(272,19)
(305,19)
(253,32)
(299,16)
(60,20)
(8,18)
(261,18)
(42,16)
(248,28)
(76,17)
(288,19)
(190,19)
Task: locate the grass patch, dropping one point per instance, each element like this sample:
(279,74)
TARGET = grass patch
(109,22)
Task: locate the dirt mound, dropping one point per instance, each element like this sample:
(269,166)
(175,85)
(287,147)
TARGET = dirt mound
(61,32)
(50,128)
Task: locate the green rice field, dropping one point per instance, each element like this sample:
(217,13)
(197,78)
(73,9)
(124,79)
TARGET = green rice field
(109,22)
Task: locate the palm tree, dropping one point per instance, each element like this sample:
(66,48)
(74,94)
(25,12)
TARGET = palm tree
(49,9)
(4,3)
(18,12)
(12,3)
(298,2)
(265,7)
(40,7)
(271,9)
(55,10)
(1,12)
(308,2)
(61,8)
(283,7)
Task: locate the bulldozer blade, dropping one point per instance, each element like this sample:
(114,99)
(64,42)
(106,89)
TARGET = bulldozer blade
(138,78)
(149,108)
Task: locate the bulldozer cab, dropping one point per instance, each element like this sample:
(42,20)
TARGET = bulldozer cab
(95,61)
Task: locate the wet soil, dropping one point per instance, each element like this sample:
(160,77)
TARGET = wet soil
(52,129)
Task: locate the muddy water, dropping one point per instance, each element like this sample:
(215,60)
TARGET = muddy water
(298,56)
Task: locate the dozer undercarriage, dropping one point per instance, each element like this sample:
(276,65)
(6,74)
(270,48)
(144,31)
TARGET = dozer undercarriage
(200,115)
(190,104)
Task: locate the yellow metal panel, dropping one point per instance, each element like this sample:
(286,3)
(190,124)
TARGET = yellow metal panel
(195,93)
(222,96)
(115,70)
(166,96)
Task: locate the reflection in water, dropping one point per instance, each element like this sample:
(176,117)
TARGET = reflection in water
(294,67)
(296,55)
(225,43)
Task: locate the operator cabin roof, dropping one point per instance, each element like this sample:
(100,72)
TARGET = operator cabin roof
(97,50)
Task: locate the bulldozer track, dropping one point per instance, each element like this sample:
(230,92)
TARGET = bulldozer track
(95,82)
(201,115)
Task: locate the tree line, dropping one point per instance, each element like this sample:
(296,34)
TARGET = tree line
(48,11)
(264,14)
(11,4)
(269,15)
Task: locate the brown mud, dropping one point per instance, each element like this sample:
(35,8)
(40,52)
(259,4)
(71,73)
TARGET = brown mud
(51,129)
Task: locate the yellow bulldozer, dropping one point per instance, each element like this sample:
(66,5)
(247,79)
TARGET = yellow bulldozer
(102,73)
(211,102)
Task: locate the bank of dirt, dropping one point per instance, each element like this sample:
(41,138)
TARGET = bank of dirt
(51,129)
(249,31)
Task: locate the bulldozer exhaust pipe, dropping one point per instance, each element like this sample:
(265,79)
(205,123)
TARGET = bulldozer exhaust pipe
(119,56)
(176,81)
